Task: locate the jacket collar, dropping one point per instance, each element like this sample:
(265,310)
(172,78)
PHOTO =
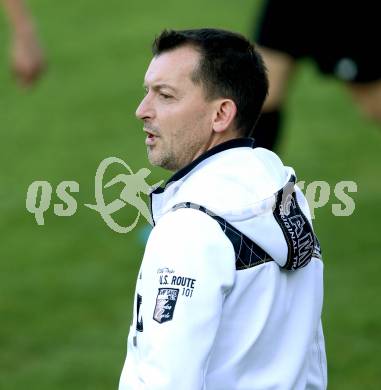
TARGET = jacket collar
(233,143)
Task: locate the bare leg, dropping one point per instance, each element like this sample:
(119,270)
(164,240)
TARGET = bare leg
(368,97)
(280,67)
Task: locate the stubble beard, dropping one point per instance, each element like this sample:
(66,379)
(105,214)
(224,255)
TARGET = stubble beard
(173,159)
(164,159)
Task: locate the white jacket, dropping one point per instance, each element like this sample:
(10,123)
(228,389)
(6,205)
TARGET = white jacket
(205,319)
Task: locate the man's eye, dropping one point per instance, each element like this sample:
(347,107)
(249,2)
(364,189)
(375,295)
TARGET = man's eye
(165,96)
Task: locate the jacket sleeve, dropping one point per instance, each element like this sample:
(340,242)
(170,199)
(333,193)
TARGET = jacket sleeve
(187,271)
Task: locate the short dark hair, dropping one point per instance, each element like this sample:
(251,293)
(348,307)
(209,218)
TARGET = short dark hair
(230,67)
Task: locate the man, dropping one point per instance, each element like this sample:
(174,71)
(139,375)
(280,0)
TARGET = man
(229,294)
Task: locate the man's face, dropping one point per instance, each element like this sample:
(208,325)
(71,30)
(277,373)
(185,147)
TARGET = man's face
(177,117)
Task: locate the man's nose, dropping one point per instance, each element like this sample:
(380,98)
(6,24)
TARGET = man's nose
(144,109)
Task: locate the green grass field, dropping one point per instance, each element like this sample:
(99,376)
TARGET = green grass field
(66,287)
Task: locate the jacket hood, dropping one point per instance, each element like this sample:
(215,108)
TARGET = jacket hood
(240,184)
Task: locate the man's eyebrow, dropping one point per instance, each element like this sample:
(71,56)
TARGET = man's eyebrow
(157,87)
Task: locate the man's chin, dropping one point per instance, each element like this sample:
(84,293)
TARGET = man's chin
(159,161)
(153,158)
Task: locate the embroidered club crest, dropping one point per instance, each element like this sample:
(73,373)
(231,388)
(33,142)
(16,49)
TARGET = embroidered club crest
(165,304)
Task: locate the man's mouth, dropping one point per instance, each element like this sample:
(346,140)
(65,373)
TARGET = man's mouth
(151,138)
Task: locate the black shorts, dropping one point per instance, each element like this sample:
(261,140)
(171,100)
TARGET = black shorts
(339,36)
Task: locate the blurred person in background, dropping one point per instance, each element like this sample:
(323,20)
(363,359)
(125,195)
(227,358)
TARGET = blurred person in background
(339,36)
(27,57)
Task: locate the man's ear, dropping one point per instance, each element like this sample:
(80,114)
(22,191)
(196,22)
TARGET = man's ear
(225,113)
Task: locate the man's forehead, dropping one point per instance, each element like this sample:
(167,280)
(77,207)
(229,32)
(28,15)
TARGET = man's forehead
(172,66)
